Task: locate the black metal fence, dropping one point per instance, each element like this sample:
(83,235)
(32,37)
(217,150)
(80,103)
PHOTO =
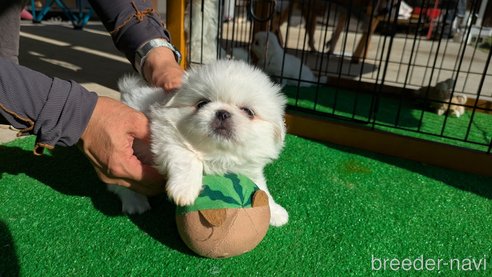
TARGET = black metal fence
(419,68)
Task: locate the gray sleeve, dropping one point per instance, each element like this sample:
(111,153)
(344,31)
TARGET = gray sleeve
(130,23)
(55,110)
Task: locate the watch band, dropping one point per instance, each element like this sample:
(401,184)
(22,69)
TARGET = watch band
(144,50)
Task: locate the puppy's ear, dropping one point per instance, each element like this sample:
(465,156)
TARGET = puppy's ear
(461,99)
(279,133)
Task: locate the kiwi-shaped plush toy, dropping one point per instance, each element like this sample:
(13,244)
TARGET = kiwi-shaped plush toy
(230,217)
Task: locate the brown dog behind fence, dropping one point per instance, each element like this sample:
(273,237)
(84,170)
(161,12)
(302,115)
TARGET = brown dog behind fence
(270,16)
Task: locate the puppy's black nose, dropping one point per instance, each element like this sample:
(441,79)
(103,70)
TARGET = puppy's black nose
(222,114)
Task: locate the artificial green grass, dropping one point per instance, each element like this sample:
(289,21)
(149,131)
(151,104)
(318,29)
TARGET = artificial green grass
(473,130)
(346,208)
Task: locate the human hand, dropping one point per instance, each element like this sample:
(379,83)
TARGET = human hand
(108,143)
(161,69)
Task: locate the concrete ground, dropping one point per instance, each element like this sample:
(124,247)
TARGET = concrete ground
(407,61)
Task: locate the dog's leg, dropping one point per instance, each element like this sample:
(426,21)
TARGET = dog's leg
(280,18)
(363,45)
(131,202)
(310,26)
(332,43)
(278,214)
(184,175)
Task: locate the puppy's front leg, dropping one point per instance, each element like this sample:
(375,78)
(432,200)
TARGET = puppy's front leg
(185,173)
(131,202)
(278,214)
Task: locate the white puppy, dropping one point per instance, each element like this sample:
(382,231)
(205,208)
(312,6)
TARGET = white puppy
(227,117)
(275,62)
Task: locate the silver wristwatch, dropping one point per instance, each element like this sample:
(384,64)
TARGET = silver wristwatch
(143,50)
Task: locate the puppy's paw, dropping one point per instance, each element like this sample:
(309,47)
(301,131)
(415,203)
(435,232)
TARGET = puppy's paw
(131,202)
(135,204)
(278,215)
(183,195)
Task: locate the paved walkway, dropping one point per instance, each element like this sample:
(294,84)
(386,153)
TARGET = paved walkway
(408,61)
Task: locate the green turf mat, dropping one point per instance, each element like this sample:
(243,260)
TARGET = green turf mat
(347,210)
(472,130)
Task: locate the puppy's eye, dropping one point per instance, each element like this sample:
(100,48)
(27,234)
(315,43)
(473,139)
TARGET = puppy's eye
(250,113)
(202,103)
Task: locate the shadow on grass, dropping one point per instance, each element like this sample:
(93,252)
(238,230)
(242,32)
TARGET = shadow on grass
(477,184)
(67,171)
(353,105)
(9,262)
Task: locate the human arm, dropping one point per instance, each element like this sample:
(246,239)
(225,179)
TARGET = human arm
(54,110)
(63,113)
(132,24)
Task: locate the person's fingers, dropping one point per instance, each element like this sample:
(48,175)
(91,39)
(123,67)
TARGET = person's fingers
(125,169)
(129,167)
(152,182)
(161,70)
(134,169)
(171,86)
(152,188)
(140,127)
(113,132)
(169,81)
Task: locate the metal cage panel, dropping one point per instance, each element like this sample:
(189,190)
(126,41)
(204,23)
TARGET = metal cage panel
(380,64)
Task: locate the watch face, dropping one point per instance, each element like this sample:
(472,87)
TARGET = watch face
(178,56)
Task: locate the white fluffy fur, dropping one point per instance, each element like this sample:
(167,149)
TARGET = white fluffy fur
(273,59)
(190,139)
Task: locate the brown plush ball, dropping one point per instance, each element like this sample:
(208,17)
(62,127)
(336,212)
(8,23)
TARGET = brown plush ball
(230,217)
